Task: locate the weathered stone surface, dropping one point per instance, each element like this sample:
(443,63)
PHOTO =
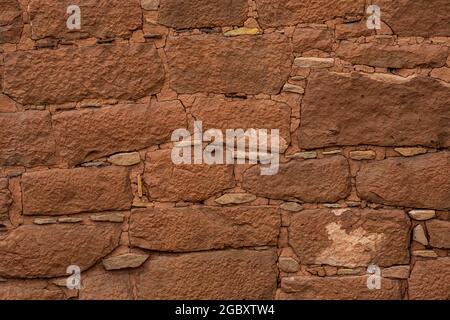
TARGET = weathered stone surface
(288,87)
(393,56)
(338,288)
(182,14)
(210,63)
(396,272)
(343,109)
(223,275)
(422,214)
(62,191)
(108,217)
(430,280)
(291,206)
(318,180)
(124,261)
(411,152)
(241,32)
(125,159)
(441,73)
(305,39)
(419,235)
(26,139)
(93,133)
(247,114)
(5,198)
(363,155)
(417,18)
(98,284)
(288,264)
(304,155)
(7,104)
(425,253)
(99,18)
(439,231)
(109,71)
(291,12)
(188,182)
(150,4)
(235,198)
(409,182)
(203,228)
(11,23)
(356,237)
(29,290)
(312,62)
(46,251)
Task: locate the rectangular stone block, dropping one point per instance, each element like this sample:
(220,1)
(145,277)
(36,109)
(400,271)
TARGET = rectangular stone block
(215,64)
(203,228)
(93,133)
(430,280)
(11,23)
(419,182)
(352,109)
(439,231)
(127,72)
(26,139)
(66,191)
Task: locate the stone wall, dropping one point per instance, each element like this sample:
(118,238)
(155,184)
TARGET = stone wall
(86,178)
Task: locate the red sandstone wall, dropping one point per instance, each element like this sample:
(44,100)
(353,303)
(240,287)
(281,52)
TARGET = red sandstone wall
(86,177)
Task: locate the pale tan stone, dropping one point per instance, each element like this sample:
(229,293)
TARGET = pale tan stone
(288,264)
(125,159)
(363,155)
(411,152)
(396,272)
(235,198)
(291,206)
(419,235)
(112,217)
(425,253)
(422,215)
(125,261)
(242,31)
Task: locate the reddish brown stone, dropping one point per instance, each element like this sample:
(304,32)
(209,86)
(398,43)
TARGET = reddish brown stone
(98,284)
(338,288)
(416,182)
(305,39)
(430,280)
(62,191)
(318,180)
(291,12)
(46,251)
(93,133)
(393,56)
(216,275)
(439,231)
(426,18)
(29,290)
(108,71)
(350,237)
(204,228)
(189,182)
(343,109)
(181,14)
(11,23)
(26,139)
(5,198)
(210,63)
(246,114)
(99,18)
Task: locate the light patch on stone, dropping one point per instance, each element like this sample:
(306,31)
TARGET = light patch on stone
(339,212)
(242,31)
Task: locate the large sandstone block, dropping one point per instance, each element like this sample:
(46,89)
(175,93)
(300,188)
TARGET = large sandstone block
(26,139)
(11,23)
(202,13)
(188,182)
(32,251)
(66,191)
(203,228)
(29,290)
(215,275)
(393,56)
(318,180)
(291,12)
(247,64)
(350,237)
(99,18)
(425,18)
(127,72)
(439,231)
(338,288)
(93,133)
(98,284)
(352,109)
(430,280)
(418,182)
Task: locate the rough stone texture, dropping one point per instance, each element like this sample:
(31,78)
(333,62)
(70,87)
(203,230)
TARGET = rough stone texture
(235,198)
(94,286)
(202,13)
(409,182)
(26,139)
(5,199)
(393,56)
(128,260)
(86,135)
(343,109)
(125,159)
(356,237)
(439,232)
(10,21)
(60,191)
(29,290)
(209,63)
(188,182)
(422,214)
(203,228)
(318,180)
(305,39)
(291,12)
(99,18)
(417,18)
(108,71)
(430,280)
(56,247)
(396,272)
(338,288)
(227,275)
